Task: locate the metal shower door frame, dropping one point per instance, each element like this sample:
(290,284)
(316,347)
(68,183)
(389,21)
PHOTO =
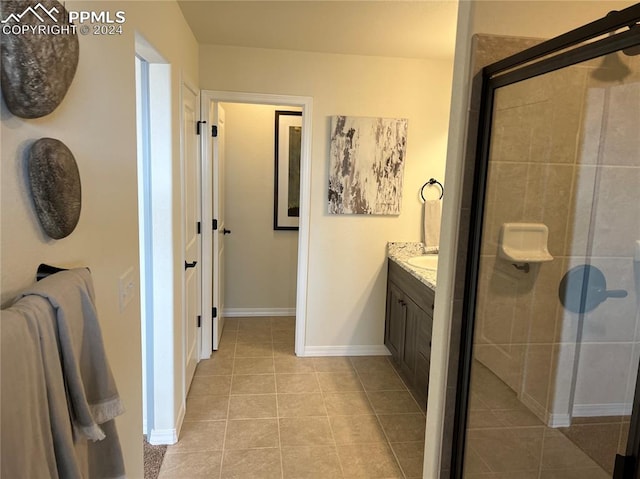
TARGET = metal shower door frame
(576,46)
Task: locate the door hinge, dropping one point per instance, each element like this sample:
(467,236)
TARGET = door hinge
(214,131)
(215,225)
(198,227)
(199,320)
(198,123)
(214,312)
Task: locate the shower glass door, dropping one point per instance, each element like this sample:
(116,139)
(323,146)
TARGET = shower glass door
(556,335)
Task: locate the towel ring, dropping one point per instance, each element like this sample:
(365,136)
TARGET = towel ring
(432,181)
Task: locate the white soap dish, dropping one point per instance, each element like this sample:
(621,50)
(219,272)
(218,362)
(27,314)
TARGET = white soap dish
(524,243)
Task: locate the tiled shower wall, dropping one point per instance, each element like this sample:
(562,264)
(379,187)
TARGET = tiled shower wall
(530,180)
(563,154)
(548,164)
(609,166)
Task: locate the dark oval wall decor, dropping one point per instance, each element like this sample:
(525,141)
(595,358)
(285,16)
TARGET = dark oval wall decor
(36,68)
(55,187)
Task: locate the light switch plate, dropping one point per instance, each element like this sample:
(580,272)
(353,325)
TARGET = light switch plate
(126,288)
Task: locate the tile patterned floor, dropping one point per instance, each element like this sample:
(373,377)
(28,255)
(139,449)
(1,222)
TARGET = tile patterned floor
(507,441)
(255,410)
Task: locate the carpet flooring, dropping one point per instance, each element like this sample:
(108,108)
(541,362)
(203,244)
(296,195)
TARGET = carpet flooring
(153,456)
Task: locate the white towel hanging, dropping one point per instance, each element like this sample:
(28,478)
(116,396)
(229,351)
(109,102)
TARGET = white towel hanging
(431,224)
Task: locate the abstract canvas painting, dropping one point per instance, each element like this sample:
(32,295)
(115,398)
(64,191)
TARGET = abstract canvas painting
(366,165)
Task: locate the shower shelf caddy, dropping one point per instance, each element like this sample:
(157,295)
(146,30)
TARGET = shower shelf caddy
(524,243)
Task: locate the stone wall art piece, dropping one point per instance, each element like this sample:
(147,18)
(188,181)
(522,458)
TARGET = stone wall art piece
(39,55)
(366,165)
(54,180)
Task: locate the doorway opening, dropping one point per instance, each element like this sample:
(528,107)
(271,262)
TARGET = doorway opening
(262,281)
(153,107)
(253,185)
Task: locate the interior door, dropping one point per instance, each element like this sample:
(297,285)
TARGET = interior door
(191,202)
(217,120)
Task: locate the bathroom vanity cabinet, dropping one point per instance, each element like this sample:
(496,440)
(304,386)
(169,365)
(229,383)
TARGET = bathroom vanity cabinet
(408,324)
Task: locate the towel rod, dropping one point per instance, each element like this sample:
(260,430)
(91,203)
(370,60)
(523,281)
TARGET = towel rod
(432,181)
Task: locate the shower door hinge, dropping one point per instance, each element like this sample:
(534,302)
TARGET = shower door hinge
(198,123)
(214,131)
(215,225)
(199,320)
(198,227)
(214,312)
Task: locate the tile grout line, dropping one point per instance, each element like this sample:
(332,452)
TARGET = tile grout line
(482,459)
(388,443)
(275,383)
(317,370)
(424,416)
(226,423)
(333,437)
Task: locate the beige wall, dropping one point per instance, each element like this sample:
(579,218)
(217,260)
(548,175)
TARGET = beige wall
(347,257)
(97,122)
(520,19)
(260,274)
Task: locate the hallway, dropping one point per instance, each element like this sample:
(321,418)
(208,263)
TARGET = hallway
(255,410)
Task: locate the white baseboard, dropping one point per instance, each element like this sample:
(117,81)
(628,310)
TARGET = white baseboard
(587,410)
(346,350)
(258,312)
(602,410)
(161,437)
(558,420)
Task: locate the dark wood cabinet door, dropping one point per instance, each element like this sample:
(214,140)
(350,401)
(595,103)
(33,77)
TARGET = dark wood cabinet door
(395,324)
(414,316)
(408,323)
(421,379)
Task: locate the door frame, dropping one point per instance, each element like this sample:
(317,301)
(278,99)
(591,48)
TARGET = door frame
(159,422)
(540,59)
(208,97)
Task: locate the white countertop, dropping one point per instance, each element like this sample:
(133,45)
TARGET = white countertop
(401,252)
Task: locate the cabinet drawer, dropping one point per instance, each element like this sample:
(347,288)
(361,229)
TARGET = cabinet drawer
(419,292)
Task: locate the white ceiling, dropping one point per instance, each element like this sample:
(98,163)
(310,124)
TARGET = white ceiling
(392,28)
